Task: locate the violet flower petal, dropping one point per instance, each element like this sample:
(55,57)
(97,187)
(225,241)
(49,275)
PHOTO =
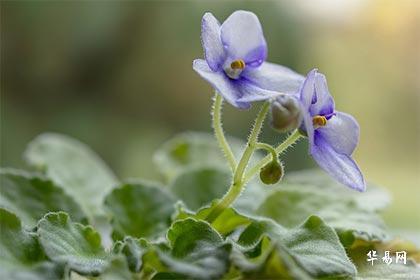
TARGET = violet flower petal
(341,132)
(214,51)
(274,77)
(340,166)
(251,92)
(324,104)
(307,90)
(226,87)
(243,38)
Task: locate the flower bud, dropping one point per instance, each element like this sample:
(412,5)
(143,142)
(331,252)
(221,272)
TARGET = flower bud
(286,114)
(272,172)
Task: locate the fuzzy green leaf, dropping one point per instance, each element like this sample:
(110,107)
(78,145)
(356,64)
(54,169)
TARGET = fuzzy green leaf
(199,186)
(117,269)
(193,149)
(197,251)
(31,196)
(133,249)
(345,210)
(21,256)
(380,270)
(141,209)
(313,247)
(72,244)
(225,223)
(73,166)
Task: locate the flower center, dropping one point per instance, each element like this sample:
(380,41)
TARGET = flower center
(319,121)
(238,64)
(235,68)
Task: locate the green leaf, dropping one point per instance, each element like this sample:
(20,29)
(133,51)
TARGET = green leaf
(312,248)
(225,223)
(141,209)
(343,209)
(199,186)
(272,262)
(133,249)
(31,196)
(117,269)
(373,199)
(197,250)
(21,256)
(253,195)
(73,166)
(329,257)
(193,149)
(72,244)
(184,155)
(393,271)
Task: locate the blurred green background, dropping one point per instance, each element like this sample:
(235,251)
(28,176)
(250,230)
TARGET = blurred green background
(118,76)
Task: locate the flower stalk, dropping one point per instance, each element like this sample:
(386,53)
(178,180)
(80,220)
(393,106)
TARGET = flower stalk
(293,138)
(238,176)
(218,131)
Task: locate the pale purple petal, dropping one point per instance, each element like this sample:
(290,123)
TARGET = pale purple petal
(341,132)
(307,90)
(324,104)
(340,166)
(308,127)
(212,43)
(251,92)
(224,86)
(243,38)
(274,77)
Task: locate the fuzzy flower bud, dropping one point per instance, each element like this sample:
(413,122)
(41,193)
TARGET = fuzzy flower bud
(272,172)
(286,113)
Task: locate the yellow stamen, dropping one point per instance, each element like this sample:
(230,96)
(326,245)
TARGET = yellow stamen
(238,64)
(319,121)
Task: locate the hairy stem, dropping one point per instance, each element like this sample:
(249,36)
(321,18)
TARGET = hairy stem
(295,136)
(218,131)
(238,182)
(268,148)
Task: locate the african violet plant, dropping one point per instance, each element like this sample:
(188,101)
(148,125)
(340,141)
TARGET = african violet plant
(211,217)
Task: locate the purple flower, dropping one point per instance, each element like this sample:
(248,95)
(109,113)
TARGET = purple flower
(332,135)
(234,64)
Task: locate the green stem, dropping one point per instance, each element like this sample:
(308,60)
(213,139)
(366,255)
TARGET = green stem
(268,148)
(236,187)
(295,136)
(218,131)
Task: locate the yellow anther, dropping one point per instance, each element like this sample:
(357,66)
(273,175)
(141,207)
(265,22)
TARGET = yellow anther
(238,64)
(319,121)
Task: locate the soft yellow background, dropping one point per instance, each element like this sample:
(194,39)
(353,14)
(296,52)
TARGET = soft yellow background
(118,76)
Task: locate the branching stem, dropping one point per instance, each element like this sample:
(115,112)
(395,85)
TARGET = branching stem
(238,182)
(295,136)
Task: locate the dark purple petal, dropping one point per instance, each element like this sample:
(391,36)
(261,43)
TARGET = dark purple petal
(324,104)
(274,77)
(340,166)
(212,43)
(307,90)
(243,38)
(341,132)
(225,86)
